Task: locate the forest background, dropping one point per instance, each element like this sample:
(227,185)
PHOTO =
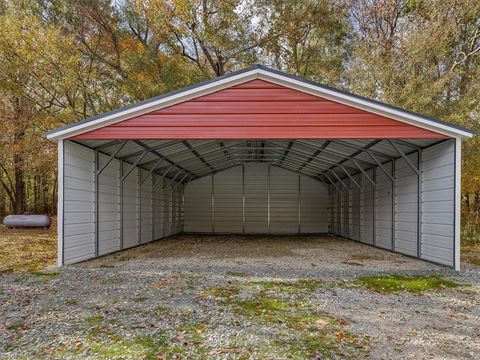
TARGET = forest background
(64,60)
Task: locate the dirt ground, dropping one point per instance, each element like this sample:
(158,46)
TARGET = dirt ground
(241,297)
(267,255)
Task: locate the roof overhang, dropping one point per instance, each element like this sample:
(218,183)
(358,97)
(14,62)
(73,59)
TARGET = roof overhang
(267,74)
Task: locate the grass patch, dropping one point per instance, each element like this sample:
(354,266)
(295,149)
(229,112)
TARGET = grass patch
(106,266)
(94,320)
(308,334)
(224,292)
(302,332)
(140,298)
(27,249)
(303,285)
(400,283)
(237,273)
(45,273)
(148,347)
(260,307)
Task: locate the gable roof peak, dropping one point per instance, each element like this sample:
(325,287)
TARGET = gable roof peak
(258,71)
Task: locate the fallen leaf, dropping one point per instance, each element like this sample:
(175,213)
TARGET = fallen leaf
(339,335)
(181,336)
(321,322)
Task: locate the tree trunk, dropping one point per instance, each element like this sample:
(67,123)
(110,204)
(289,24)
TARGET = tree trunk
(19,205)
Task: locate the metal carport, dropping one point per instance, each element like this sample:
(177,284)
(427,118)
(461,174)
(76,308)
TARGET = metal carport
(260,151)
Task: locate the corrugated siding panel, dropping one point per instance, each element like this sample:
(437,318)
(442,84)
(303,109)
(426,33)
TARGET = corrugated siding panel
(256,198)
(331,209)
(109,206)
(284,210)
(158,207)
(345,205)
(406,206)
(130,207)
(228,201)
(176,210)
(198,206)
(279,112)
(173,211)
(383,208)
(145,207)
(437,229)
(283,201)
(355,196)
(79,203)
(180,209)
(313,206)
(338,211)
(366,215)
(167,210)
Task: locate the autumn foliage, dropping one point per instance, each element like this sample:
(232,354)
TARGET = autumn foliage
(64,60)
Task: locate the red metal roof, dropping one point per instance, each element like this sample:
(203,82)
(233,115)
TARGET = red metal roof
(258,109)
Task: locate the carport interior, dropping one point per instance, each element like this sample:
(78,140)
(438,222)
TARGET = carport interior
(397,194)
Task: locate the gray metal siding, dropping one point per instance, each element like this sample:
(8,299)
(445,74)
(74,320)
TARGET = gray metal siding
(331,209)
(438,204)
(109,206)
(198,205)
(167,210)
(383,208)
(158,231)
(406,206)
(367,209)
(228,201)
(256,198)
(282,188)
(355,198)
(146,207)
(396,226)
(338,211)
(283,201)
(130,207)
(79,206)
(79,203)
(313,206)
(344,205)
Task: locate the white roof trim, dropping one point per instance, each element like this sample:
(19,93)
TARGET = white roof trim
(263,74)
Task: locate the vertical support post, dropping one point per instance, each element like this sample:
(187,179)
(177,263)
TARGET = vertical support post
(299,204)
(153,209)
(361,208)
(60,202)
(97,207)
(268,200)
(347,211)
(394,186)
(121,204)
(243,198)
(213,203)
(183,208)
(419,205)
(374,192)
(139,187)
(457,201)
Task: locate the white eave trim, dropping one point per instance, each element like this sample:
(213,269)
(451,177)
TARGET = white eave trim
(274,77)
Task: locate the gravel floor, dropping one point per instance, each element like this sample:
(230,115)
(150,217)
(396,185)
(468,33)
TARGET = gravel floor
(188,297)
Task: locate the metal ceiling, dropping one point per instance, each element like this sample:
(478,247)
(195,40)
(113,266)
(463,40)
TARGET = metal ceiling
(323,160)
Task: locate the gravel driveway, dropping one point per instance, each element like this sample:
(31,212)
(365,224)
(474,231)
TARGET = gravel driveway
(238,297)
